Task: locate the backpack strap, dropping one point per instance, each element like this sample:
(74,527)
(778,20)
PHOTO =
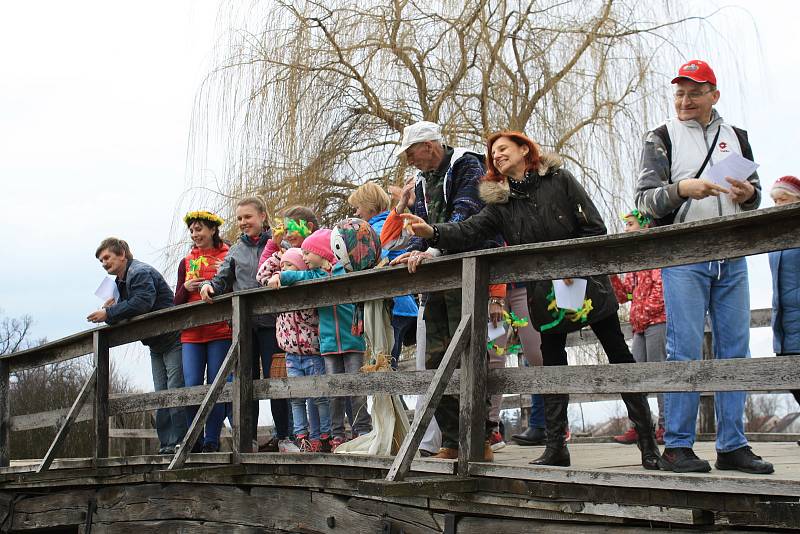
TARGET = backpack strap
(744,143)
(662,133)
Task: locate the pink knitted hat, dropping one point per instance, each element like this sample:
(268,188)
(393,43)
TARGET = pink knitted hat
(294,256)
(790,184)
(320,243)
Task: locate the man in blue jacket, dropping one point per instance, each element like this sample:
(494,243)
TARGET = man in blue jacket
(142,289)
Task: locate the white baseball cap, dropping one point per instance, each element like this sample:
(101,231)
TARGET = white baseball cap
(417,133)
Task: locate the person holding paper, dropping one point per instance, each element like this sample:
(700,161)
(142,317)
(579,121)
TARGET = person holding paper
(530,198)
(673,186)
(142,289)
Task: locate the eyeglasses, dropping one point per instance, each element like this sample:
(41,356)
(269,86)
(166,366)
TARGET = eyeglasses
(693,96)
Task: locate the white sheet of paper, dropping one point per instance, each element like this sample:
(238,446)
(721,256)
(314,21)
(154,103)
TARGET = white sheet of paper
(107,289)
(735,166)
(495,331)
(571,296)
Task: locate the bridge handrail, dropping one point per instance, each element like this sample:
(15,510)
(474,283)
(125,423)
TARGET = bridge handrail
(725,237)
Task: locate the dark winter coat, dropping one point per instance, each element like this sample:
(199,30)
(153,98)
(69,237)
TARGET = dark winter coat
(551,205)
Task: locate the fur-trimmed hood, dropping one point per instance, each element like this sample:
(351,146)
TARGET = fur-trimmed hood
(498,192)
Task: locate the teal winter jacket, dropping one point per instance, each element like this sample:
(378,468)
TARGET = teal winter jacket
(335,322)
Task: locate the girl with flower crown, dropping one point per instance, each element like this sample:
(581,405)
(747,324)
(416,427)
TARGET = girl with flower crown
(204,347)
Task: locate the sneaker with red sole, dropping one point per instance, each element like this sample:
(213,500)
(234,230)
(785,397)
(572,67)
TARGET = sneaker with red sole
(303,443)
(660,435)
(335,442)
(315,445)
(628,438)
(496,441)
(325,440)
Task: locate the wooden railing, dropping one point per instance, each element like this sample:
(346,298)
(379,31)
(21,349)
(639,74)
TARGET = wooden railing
(725,237)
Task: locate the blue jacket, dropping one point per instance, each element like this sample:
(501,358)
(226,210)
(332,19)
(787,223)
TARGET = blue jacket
(405,306)
(142,289)
(335,322)
(785,267)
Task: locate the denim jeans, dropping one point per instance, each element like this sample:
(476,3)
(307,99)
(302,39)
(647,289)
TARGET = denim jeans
(349,362)
(719,288)
(536,419)
(201,363)
(308,365)
(168,374)
(266,344)
(401,325)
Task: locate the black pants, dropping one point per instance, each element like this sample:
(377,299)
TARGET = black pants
(442,315)
(265,344)
(608,333)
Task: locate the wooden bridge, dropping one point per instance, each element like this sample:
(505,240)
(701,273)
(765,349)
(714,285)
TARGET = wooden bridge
(605,490)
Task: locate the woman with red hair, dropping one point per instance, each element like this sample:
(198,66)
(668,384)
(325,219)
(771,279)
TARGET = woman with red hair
(530,198)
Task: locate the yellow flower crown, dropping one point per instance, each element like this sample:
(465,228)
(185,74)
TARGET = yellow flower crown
(204,216)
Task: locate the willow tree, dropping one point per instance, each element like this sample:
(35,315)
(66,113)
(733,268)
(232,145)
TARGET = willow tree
(311,97)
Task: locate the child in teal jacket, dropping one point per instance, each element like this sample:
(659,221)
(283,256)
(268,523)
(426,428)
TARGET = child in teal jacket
(343,350)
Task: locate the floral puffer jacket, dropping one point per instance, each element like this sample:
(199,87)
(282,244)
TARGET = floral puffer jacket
(645,290)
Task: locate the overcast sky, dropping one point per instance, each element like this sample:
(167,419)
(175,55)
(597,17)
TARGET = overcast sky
(95,106)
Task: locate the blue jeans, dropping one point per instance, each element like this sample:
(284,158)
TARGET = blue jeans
(265,345)
(201,363)
(308,365)
(168,374)
(719,288)
(536,419)
(401,326)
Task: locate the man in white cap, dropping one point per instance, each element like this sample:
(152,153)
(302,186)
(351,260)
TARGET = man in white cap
(446,190)
(673,185)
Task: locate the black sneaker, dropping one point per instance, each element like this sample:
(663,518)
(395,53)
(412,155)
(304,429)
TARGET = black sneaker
(743,459)
(167,450)
(270,446)
(682,460)
(210,447)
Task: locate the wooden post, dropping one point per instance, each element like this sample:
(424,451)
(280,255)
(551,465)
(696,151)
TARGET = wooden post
(424,411)
(707,415)
(75,409)
(474,302)
(101,366)
(205,408)
(242,380)
(5,415)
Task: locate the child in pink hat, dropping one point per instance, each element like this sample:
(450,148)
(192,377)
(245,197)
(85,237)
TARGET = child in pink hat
(343,350)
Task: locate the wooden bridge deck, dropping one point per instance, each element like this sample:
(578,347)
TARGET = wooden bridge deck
(605,490)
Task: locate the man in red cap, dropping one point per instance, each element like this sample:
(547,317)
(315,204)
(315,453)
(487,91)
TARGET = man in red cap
(672,187)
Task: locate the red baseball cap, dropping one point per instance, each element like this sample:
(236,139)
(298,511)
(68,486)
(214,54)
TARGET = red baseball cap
(697,71)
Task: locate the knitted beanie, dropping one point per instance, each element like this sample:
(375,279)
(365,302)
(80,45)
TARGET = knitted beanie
(294,256)
(320,243)
(790,184)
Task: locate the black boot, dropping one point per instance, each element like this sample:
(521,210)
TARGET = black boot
(555,416)
(531,436)
(639,414)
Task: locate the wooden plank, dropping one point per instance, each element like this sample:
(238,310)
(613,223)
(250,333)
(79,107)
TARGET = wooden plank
(693,482)
(444,467)
(103,378)
(474,364)
(418,486)
(242,405)
(205,409)
(738,374)
(451,358)
(746,234)
(88,388)
(5,415)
